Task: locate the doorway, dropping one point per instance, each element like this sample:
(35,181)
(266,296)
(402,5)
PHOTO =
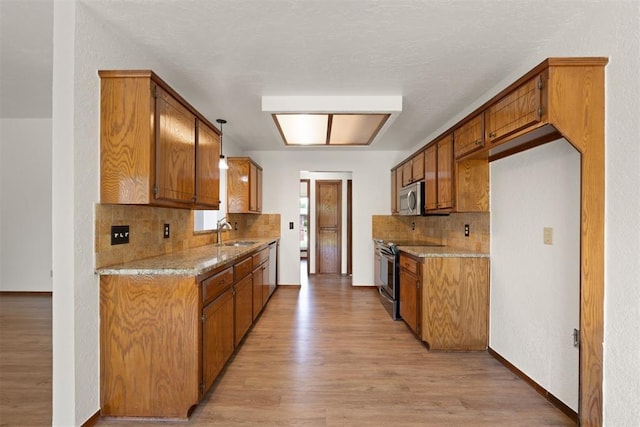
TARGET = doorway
(329,226)
(304,224)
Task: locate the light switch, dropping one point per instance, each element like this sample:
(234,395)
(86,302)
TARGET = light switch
(548,236)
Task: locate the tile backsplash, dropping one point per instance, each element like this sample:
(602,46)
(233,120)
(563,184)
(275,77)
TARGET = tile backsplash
(146,226)
(441,229)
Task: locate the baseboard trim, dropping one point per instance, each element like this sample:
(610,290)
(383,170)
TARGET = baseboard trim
(27,293)
(537,387)
(93,420)
(292,285)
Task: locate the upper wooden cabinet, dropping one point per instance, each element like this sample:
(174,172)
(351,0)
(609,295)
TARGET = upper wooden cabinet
(207,158)
(150,148)
(469,137)
(439,173)
(413,169)
(394,192)
(244,186)
(521,108)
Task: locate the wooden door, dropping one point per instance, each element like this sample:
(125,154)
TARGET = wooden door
(253,187)
(409,299)
(445,173)
(328,228)
(175,150)
(207,169)
(430,178)
(217,336)
(243,307)
(257,280)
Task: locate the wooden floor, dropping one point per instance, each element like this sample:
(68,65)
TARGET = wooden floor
(25,360)
(329,355)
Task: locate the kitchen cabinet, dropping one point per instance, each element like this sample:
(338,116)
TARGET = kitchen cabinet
(439,174)
(148,144)
(521,109)
(260,281)
(469,137)
(394,192)
(244,186)
(217,336)
(207,165)
(413,169)
(409,293)
(445,300)
(165,338)
(455,303)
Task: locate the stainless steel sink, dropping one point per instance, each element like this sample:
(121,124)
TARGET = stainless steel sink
(240,243)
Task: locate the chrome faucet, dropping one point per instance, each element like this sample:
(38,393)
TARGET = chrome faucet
(221,225)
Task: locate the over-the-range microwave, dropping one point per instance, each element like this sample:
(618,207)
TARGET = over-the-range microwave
(411,199)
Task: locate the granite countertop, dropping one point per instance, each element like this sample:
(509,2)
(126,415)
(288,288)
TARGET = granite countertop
(191,262)
(441,252)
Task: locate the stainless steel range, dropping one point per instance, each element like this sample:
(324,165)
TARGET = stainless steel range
(386,276)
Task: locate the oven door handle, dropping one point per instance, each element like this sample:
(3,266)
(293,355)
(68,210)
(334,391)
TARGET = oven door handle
(384,295)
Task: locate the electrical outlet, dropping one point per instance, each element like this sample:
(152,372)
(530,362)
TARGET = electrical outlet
(166,232)
(466,230)
(119,234)
(548,236)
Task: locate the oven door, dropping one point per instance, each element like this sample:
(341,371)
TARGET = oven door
(386,281)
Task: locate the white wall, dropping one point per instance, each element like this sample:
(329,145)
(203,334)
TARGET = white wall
(535,288)
(313,177)
(371,194)
(82,46)
(25,205)
(610,29)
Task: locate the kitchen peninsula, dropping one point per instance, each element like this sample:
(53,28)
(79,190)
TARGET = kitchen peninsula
(170,323)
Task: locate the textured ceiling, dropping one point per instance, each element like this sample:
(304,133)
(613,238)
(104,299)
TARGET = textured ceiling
(439,55)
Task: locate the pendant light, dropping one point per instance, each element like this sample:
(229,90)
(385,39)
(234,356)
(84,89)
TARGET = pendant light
(223,162)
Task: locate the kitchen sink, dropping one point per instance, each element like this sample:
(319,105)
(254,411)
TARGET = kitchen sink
(240,243)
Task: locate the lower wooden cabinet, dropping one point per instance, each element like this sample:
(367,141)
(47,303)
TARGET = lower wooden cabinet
(164,339)
(243,308)
(447,301)
(217,336)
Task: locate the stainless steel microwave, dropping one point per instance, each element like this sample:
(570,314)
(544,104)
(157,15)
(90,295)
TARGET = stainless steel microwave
(411,199)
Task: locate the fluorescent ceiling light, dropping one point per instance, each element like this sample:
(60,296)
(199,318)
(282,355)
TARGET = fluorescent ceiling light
(331,120)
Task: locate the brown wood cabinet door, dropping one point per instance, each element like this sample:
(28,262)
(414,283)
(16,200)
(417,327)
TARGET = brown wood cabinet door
(409,299)
(257,281)
(469,137)
(394,192)
(175,150)
(328,228)
(515,111)
(417,167)
(259,190)
(253,187)
(217,336)
(265,282)
(243,307)
(407,174)
(431,178)
(445,173)
(207,169)
(238,185)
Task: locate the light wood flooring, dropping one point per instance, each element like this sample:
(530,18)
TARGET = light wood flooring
(329,355)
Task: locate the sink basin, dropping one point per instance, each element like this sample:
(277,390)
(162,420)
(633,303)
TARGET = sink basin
(240,243)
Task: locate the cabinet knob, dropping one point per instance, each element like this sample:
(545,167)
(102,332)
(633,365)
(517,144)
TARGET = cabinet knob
(478,141)
(492,134)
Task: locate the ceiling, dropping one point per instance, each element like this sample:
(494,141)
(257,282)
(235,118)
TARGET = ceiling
(438,55)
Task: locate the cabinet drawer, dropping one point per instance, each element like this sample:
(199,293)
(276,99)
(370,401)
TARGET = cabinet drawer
(215,284)
(469,137)
(260,257)
(242,268)
(409,264)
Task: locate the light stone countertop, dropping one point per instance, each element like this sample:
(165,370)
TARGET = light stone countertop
(189,262)
(441,252)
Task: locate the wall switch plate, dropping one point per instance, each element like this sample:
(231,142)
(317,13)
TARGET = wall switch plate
(166,233)
(548,236)
(119,234)
(466,230)
(291,225)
